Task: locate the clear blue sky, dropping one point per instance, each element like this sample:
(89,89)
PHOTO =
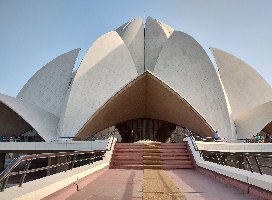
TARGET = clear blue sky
(33,32)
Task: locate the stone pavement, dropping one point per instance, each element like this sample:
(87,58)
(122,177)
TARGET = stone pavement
(121,184)
(196,186)
(157,185)
(113,184)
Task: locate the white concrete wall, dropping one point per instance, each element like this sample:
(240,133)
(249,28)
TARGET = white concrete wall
(262,181)
(251,122)
(105,69)
(54,146)
(184,66)
(42,121)
(245,88)
(155,39)
(133,35)
(48,87)
(234,147)
(43,187)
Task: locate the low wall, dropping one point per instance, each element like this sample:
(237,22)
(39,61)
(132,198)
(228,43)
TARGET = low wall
(234,147)
(253,183)
(53,146)
(41,188)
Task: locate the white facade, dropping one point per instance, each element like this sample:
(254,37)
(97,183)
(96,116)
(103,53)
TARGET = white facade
(140,71)
(48,87)
(184,66)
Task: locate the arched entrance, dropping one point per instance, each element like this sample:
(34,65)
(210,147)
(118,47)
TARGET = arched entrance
(146,97)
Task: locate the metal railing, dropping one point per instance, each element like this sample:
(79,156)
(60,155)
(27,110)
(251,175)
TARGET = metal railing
(258,163)
(63,162)
(70,160)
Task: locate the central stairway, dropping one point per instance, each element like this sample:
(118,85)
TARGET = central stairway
(153,155)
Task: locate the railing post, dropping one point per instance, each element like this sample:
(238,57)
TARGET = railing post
(258,164)
(73,163)
(67,163)
(91,158)
(249,164)
(4,184)
(28,162)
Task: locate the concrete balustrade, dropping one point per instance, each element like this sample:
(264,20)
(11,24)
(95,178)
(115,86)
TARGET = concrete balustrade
(243,176)
(41,188)
(234,147)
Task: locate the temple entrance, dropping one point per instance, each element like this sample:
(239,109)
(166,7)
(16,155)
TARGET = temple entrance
(146,129)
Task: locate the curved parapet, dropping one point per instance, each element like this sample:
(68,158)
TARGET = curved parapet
(133,35)
(184,66)
(48,87)
(146,97)
(253,121)
(17,117)
(105,69)
(245,88)
(155,38)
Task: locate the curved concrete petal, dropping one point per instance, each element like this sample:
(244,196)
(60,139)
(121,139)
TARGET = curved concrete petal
(245,88)
(105,69)
(48,87)
(155,39)
(146,97)
(253,121)
(133,37)
(185,66)
(22,116)
(122,29)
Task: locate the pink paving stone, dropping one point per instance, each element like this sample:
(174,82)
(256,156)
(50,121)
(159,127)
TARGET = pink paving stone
(113,184)
(196,186)
(127,184)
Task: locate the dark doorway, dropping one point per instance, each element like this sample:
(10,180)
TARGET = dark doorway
(145,129)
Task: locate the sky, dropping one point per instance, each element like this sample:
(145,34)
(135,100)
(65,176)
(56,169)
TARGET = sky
(34,32)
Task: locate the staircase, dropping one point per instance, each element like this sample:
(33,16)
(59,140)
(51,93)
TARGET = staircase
(150,156)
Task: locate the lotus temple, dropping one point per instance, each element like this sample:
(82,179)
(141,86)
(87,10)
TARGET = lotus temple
(143,81)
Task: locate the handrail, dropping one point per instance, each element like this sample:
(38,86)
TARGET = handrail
(222,158)
(4,176)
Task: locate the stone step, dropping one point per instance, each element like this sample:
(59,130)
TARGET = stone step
(152,162)
(128,147)
(128,157)
(173,144)
(177,166)
(173,147)
(127,167)
(127,162)
(177,162)
(175,157)
(153,167)
(150,156)
(158,153)
(166,154)
(129,144)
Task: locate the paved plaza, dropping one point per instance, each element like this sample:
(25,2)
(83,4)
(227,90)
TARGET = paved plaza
(135,184)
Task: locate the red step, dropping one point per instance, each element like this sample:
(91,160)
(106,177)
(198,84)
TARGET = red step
(157,156)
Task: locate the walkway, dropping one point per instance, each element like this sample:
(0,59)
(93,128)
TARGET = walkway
(123,184)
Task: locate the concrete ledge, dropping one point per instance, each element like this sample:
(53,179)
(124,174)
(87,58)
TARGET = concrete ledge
(234,147)
(242,179)
(69,190)
(245,187)
(54,146)
(43,187)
